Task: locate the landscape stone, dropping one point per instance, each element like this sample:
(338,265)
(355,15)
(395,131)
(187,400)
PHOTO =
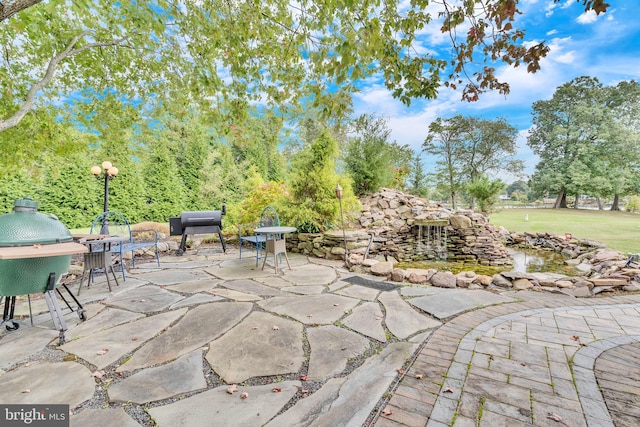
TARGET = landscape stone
(234,295)
(251,286)
(382,268)
(162,382)
(18,346)
(172,277)
(460,221)
(367,320)
(195,299)
(73,384)
(501,281)
(261,345)
(310,274)
(369,382)
(201,325)
(105,347)
(582,291)
(305,290)
(217,408)
(484,280)
(443,279)
(397,275)
(564,284)
(455,301)
(311,309)
(522,284)
(107,318)
(608,282)
(417,278)
(401,319)
(305,411)
(360,292)
(145,299)
(331,347)
(102,417)
(195,286)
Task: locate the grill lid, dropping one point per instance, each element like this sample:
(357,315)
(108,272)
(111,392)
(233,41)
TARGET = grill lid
(25,226)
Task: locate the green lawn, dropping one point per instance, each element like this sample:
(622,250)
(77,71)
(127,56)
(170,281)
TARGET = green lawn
(618,230)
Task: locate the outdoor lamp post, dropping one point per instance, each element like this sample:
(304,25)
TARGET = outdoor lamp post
(106,172)
(344,236)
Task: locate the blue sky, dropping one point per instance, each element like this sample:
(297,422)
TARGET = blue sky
(605,46)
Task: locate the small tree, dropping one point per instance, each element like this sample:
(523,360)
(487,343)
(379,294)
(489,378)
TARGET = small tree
(486,192)
(313,183)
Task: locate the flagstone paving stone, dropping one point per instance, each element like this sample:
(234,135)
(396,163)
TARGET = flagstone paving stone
(102,417)
(401,319)
(120,340)
(216,407)
(235,295)
(252,287)
(455,301)
(47,383)
(331,347)
(367,319)
(106,319)
(195,286)
(196,299)
(305,290)
(310,274)
(360,292)
(261,345)
(312,309)
(145,299)
(180,376)
(357,396)
(197,328)
(15,347)
(171,277)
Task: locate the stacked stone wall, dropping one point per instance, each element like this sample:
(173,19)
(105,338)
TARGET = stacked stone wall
(388,227)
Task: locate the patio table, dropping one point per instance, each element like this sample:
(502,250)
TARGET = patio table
(275,243)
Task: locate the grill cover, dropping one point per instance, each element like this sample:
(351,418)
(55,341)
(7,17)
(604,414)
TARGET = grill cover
(26,227)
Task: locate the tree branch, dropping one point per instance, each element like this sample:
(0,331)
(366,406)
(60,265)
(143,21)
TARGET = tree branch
(9,8)
(48,76)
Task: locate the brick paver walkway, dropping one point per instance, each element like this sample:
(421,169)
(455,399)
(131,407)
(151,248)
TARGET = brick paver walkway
(529,363)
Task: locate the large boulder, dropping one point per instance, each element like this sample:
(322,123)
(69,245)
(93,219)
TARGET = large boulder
(460,221)
(444,279)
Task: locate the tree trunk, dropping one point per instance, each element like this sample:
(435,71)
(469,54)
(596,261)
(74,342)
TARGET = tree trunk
(615,206)
(575,202)
(453,200)
(599,202)
(561,200)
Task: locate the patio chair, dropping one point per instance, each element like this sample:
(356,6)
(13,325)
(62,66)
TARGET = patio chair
(116,224)
(268,218)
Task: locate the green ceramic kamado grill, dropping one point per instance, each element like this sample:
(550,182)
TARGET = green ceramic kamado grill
(35,250)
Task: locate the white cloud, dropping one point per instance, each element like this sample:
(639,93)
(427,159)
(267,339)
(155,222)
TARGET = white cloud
(552,32)
(588,17)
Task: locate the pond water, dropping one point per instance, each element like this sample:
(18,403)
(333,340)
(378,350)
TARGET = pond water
(531,261)
(528,261)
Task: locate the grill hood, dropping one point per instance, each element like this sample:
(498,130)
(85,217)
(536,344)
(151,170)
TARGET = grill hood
(25,226)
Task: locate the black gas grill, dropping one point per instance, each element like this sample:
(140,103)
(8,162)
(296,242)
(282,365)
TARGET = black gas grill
(197,222)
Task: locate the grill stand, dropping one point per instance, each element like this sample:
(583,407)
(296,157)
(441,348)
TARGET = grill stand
(54,309)
(202,229)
